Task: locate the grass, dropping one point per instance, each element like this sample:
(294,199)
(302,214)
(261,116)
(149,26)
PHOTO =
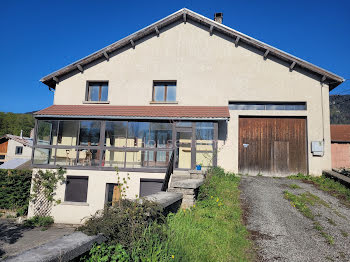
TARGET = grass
(294,186)
(328,185)
(213,230)
(39,221)
(344,234)
(301,202)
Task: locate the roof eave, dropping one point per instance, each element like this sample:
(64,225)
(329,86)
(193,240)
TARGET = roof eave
(333,79)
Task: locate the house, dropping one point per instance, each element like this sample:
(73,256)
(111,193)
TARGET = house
(186,86)
(15,151)
(340,139)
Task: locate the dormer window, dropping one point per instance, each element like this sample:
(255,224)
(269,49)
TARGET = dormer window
(164,91)
(97,91)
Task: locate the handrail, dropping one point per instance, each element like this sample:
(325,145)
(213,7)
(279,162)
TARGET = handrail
(169,172)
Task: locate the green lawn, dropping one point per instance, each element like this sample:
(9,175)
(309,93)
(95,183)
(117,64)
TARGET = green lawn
(213,229)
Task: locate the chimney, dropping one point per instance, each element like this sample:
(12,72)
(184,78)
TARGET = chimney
(218,17)
(21,136)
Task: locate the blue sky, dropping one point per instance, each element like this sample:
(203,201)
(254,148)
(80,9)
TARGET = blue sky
(39,37)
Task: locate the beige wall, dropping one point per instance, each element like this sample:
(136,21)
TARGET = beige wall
(11,150)
(209,70)
(75,213)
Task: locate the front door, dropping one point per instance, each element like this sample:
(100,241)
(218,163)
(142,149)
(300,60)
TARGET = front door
(184,148)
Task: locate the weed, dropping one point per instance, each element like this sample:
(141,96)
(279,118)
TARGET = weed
(344,234)
(328,185)
(299,202)
(330,221)
(294,186)
(39,221)
(318,227)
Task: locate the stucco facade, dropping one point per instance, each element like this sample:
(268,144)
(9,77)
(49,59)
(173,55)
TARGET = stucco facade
(209,70)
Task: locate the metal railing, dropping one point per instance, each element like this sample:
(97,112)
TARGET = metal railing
(169,172)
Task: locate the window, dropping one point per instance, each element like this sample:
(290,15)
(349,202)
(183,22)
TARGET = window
(2,156)
(113,193)
(164,92)
(47,132)
(97,91)
(76,189)
(267,106)
(19,150)
(89,134)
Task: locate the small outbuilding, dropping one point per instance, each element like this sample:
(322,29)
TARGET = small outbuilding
(340,144)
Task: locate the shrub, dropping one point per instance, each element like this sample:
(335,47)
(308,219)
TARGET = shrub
(106,252)
(15,189)
(39,221)
(125,222)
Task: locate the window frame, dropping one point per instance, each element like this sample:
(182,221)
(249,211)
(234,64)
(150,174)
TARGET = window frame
(87,188)
(87,91)
(52,156)
(165,83)
(16,150)
(267,106)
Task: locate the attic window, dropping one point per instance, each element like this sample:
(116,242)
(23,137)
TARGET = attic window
(19,150)
(97,91)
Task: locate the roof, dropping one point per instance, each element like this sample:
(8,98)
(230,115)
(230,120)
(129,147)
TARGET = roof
(186,14)
(340,133)
(26,141)
(159,112)
(15,163)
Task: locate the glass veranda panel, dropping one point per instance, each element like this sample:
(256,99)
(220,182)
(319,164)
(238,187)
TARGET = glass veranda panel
(88,157)
(138,134)
(113,158)
(47,132)
(66,157)
(89,134)
(67,133)
(43,156)
(116,133)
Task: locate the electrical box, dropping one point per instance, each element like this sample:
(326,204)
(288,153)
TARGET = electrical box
(317,148)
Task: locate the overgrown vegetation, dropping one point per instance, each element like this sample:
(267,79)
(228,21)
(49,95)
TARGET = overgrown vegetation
(45,183)
(11,123)
(328,185)
(15,190)
(301,202)
(39,221)
(339,106)
(210,231)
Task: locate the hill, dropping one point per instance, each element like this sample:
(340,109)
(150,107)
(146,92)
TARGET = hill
(339,106)
(11,123)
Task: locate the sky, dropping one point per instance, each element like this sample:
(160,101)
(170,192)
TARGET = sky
(39,37)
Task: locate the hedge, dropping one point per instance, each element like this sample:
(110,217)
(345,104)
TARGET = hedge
(15,189)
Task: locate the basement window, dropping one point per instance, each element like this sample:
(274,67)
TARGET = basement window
(76,189)
(97,92)
(293,106)
(164,91)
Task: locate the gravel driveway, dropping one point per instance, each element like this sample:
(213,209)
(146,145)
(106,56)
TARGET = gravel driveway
(282,233)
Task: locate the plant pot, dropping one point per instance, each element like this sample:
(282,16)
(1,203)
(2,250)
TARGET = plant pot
(198,167)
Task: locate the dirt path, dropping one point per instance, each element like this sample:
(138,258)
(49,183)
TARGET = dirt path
(282,233)
(15,239)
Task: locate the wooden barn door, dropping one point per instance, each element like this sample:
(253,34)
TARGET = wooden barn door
(272,145)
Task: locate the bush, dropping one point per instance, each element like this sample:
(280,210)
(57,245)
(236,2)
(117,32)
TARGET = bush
(106,252)
(15,189)
(39,221)
(125,222)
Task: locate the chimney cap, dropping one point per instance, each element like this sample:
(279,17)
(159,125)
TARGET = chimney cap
(218,17)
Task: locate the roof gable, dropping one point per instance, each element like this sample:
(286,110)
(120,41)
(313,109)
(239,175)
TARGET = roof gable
(184,14)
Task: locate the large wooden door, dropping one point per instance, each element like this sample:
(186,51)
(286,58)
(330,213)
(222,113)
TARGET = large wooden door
(272,145)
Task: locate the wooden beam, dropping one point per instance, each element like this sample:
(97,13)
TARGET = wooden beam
(157,31)
(184,17)
(106,55)
(132,43)
(292,66)
(266,53)
(237,40)
(323,78)
(80,68)
(211,29)
(55,79)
